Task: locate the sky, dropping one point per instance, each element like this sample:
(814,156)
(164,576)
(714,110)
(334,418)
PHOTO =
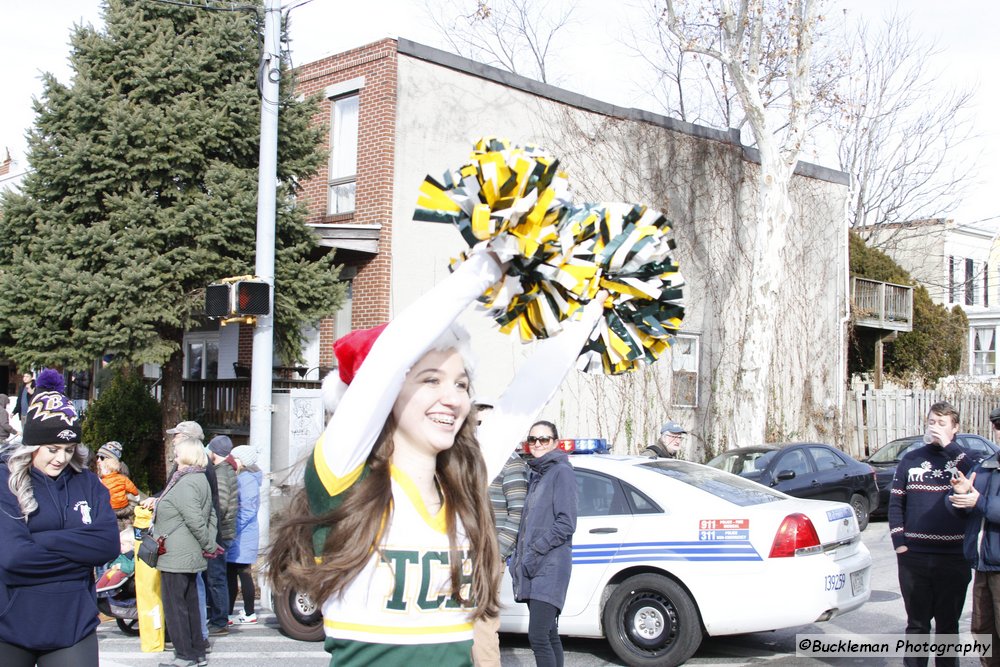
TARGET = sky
(35,38)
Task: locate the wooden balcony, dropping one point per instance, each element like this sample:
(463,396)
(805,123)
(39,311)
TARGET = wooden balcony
(223,406)
(879,305)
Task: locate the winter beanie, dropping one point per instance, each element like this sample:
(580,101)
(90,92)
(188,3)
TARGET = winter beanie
(112,449)
(51,418)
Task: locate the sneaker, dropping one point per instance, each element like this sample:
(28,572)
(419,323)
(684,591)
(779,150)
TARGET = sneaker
(202,661)
(246,618)
(217,631)
(233,618)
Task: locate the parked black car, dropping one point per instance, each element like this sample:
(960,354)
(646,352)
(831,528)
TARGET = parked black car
(807,470)
(886,458)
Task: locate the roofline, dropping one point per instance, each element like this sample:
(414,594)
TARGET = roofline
(731,136)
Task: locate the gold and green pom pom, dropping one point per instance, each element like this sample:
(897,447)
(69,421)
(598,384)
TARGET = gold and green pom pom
(516,200)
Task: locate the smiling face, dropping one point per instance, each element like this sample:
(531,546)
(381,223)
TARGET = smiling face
(52,459)
(541,440)
(433,403)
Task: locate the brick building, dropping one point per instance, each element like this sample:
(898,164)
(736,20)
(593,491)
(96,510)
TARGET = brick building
(396,111)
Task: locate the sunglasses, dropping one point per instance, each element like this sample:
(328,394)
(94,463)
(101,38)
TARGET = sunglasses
(540,439)
(101,457)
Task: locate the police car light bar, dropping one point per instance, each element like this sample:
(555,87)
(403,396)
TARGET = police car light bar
(584,445)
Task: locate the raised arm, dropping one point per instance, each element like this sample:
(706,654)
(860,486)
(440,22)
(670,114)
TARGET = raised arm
(352,430)
(533,386)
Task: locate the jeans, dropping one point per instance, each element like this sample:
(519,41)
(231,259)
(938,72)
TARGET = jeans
(543,634)
(202,609)
(986,612)
(933,587)
(217,591)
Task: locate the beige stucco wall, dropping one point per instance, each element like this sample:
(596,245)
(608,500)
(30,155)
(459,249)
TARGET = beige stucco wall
(703,185)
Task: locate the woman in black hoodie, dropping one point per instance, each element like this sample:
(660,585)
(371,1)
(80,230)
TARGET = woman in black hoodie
(57,524)
(543,558)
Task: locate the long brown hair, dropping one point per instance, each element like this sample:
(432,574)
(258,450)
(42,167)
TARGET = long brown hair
(355,526)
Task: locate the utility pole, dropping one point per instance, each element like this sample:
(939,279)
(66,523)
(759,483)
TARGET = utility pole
(261,405)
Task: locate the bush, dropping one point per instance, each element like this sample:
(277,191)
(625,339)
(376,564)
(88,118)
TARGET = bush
(125,411)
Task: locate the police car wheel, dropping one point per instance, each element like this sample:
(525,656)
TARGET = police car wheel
(298,616)
(860,506)
(651,620)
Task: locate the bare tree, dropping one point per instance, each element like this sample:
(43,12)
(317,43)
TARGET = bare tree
(698,88)
(765,46)
(516,35)
(899,132)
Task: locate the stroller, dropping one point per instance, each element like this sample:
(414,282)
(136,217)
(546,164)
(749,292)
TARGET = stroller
(116,597)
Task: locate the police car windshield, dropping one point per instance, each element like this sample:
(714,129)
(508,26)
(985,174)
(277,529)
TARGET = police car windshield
(737,490)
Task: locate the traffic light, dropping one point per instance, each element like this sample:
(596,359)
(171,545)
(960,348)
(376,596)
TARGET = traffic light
(240,298)
(252,298)
(218,300)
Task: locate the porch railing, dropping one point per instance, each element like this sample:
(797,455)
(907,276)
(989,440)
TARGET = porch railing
(881,305)
(224,405)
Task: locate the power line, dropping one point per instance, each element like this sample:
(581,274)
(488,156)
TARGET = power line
(211,8)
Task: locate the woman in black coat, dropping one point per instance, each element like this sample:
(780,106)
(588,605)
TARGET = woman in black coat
(543,558)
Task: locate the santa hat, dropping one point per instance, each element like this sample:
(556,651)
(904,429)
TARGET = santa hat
(352,349)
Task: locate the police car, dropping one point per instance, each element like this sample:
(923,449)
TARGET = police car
(667,552)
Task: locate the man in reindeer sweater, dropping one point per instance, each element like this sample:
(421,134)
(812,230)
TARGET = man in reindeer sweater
(928,538)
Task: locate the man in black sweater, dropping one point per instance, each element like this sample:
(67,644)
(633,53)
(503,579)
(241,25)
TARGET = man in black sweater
(927,537)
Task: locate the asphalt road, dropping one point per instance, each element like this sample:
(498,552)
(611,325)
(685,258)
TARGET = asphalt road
(263,646)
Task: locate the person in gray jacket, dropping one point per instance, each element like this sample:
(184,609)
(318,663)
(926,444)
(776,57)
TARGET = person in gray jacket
(183,516)
(543,558)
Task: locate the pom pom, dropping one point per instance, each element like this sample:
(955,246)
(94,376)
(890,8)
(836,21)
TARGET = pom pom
(50,380)
(516,203)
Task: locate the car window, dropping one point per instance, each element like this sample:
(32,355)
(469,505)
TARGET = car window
(640,503)
(892,452)
(794,460)
(826,459)
(737,490)
(976,445)
(597,495)
(763,460)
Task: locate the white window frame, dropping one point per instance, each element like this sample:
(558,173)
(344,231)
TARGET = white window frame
(342,168)
(984,356)
(684,364)
(205,339)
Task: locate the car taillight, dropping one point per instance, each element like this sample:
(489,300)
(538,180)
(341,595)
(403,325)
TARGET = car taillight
(795,537)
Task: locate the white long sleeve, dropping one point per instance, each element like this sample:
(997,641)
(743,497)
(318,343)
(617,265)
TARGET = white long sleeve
(354,427)
(533,386)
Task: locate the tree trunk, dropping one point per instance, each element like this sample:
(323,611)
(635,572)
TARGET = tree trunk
(747,389)
(171,399)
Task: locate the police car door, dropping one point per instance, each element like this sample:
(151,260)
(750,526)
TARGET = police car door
(604,521)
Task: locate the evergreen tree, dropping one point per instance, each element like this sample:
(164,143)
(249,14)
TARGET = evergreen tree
(144,190)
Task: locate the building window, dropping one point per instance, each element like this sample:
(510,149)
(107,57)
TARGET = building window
(343,154)
(201,356)
(970,282)
(984,351)
(685,359)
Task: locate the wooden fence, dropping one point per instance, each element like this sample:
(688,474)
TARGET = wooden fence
(876,416)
